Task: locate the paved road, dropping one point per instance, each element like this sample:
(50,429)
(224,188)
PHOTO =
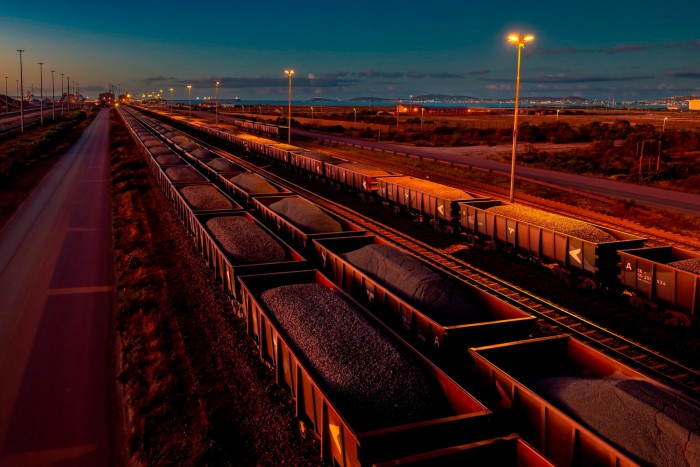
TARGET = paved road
(57,283)
(644,195)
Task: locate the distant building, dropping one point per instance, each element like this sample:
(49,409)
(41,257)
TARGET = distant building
(106,99)
(694,104)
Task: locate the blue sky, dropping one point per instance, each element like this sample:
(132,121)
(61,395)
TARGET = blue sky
(597,49)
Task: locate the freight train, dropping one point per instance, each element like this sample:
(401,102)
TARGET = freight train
(318,329)
(578,253)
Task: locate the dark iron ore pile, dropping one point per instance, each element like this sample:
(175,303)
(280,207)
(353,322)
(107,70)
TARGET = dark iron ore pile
(373,381)
(184,174)
(244,241)
(205,197)
(305,215)
(690,265)
(169,159)
(221,164)
(569,226)
(656,426)
(421,286)
(252,183)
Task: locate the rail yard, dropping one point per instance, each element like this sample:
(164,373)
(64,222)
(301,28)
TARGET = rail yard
(504,369)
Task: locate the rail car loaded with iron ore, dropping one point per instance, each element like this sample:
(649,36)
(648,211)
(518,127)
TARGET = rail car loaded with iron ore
(366,394)
(663,282)
(440,315)
(578,406)
(578,252)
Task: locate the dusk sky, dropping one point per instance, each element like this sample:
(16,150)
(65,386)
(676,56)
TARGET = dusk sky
(595,49)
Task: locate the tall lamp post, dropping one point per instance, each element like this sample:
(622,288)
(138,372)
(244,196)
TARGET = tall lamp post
(61,95)
(664,127)
(171,100)
(519,40)
(289,74)
(216,107)
(53,97)
(189,96)
(7,105)
(68,94)
(21,92)
(41,93)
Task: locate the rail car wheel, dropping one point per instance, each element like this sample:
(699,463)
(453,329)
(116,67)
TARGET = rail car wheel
(677,319)
(637,304)
(588,284)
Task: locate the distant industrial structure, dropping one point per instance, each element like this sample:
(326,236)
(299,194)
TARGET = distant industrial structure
(106,99)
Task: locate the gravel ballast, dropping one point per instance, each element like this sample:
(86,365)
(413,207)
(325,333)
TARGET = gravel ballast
(305,215)
(244,241)
(653,424)
(205,197)
(406,276)
(183,174)
(252,183)
(690,265)
(373,381)
(563,224)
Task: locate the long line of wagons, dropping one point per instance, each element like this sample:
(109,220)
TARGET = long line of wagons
(369,340)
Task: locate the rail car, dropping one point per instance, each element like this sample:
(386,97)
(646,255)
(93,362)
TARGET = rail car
(663,282)
(515,395)
(578,406)
(470,316)
(350,436)
(581,253)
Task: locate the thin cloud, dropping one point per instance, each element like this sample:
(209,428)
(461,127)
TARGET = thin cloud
(623,48)
(570,79)
(694,74)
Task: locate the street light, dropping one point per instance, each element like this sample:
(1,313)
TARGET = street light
(21,92)
(171,100)
(557,114)
(289,74)
(355,110)
(664,127)
(519,41)
(41,93)
(7,106)
(189,95)
(422,109)
(68,94)
(312,113)
(216,108)
(53,97)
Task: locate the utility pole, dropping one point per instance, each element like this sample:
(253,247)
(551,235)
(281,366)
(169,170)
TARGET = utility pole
(21,90)
(41,93)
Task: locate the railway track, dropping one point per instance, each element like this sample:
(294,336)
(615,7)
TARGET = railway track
(555,319)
